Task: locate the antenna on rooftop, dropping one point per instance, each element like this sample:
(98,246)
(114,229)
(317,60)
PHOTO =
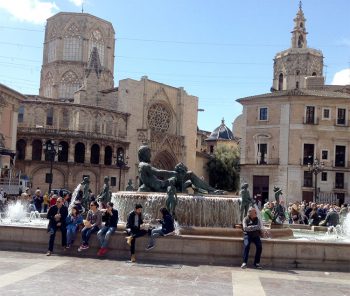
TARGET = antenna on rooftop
(82,6)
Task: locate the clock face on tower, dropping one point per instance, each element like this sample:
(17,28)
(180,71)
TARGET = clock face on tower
(97,34)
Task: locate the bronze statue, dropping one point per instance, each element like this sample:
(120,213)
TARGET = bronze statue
(155,180)
(105,195)
(246,200)
(151,179)
(171,200)
(86,195)
(129,187)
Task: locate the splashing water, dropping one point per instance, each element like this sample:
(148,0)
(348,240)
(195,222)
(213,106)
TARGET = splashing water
(74,196)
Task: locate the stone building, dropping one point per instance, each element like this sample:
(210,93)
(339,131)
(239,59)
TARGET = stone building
(9,105)
(99,126)
(301,120)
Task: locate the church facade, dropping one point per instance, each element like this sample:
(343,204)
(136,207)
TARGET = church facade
(300,123)
(98,126)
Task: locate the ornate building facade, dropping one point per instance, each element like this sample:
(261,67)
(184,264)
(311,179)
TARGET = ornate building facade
(98,126)
(301,122)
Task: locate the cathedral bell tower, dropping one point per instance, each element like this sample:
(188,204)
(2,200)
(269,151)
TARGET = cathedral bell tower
(294,66)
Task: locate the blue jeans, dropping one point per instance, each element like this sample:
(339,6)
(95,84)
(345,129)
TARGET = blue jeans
(246,247)
(86,233)
(104,235)
(154,234)
(71,235)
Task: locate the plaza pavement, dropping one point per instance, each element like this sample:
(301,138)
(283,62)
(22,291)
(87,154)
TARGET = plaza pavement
(35,274)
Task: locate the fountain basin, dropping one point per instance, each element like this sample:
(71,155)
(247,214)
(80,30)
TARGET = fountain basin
(191,249)
(191,210)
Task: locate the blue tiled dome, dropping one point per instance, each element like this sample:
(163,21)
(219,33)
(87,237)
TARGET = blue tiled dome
(222,132)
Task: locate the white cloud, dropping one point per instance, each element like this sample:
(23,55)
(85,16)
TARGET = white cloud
(77,2)
(342,77)
(32,11)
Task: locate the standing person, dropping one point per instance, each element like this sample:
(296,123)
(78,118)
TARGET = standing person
(251,230)
(133,227)
(38,200)
(92,224)
(110,217)
(46,202)
(73,220)
(166,228)
(57,220)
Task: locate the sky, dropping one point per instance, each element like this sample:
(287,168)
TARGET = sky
(218,50)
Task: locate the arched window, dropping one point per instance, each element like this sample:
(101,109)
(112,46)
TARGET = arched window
(69,85)
(300,41)
(314,74)
(96,40)
(280,82)
(21,114)
(95,154)
(79,153)
(21,149)
(48,85)
(72,44)
(108,155)
(52,50)
(63,155)
(37,147)
(297,72)
(297,84)
(65,118)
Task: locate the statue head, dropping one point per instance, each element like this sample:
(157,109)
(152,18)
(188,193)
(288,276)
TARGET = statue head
(144,154)
(277,190)
(181,168)
(172,181)
(244,186)
(106,179)
(86,180)
(130,182)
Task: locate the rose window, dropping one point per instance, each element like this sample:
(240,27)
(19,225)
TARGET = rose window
(158,118)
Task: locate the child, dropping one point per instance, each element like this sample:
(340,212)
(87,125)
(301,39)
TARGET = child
(72,222)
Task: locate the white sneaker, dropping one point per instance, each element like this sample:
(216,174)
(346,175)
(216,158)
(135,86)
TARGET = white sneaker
(244,265)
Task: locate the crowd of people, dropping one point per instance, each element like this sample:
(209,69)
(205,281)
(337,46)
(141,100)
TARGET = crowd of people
(314,214)
(101,219)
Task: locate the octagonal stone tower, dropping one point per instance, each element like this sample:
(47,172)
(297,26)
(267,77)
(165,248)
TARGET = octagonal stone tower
(294,65)
(69,42)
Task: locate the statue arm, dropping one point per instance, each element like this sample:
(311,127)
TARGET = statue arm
(163,173)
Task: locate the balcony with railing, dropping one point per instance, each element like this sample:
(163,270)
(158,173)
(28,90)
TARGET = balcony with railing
(265,161)
(51,131)
(310,120)
(340,185)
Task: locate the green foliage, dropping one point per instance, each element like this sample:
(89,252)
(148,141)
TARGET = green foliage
(223,168)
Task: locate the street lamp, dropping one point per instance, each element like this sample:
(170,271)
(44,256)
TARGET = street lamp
(51,150)
(316,167)
(121,163)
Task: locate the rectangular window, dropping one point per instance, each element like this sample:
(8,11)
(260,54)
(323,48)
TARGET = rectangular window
(262,154)
(263,113)
(324,154)
(341,116)
(307,179)
(310,115)
(113,181)
(308,154)
(340,156)
(339,180)
(72,49)
(20,114)
(324,176)
(49,117)
(326,113)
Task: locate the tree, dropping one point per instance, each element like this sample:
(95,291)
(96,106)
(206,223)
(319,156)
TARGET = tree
(223,168)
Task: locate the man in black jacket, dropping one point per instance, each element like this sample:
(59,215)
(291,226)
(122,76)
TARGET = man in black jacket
(57,215)
(133,227)
(110,217)
(251,230)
